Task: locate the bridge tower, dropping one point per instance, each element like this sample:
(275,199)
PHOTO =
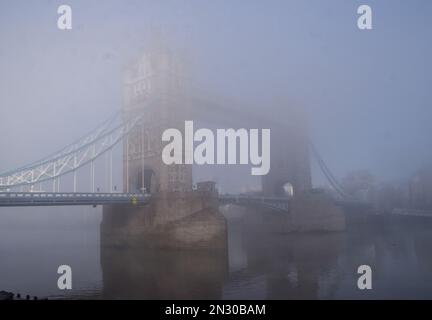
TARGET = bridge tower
(289,157)
(155,86)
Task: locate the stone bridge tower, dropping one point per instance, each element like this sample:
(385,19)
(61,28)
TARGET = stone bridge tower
(176,217)
(155,86)
(289,157)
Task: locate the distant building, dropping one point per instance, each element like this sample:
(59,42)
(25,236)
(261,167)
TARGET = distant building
(420,189)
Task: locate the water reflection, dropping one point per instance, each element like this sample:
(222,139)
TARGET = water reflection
(259,263)
(163,274)
(286,266)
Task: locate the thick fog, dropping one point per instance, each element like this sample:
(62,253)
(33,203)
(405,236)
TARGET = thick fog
(366,94)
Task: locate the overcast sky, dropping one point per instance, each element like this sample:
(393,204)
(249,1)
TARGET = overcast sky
(367,92)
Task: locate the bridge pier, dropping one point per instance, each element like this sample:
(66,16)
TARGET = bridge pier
(308,212)
(316,212)
(172,220)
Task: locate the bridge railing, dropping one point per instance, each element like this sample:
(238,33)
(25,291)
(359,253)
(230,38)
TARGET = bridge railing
(33,198)
(274,203)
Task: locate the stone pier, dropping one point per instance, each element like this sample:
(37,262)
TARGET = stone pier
(308,212)
(172,220)
(316,212)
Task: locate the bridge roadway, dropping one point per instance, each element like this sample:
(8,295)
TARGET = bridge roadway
(28,199)
(280,204)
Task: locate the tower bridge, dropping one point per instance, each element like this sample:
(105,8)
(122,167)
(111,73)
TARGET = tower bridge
(157,198)
(157,97)
(178,102)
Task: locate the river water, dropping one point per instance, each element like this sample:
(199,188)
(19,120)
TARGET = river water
(258,264)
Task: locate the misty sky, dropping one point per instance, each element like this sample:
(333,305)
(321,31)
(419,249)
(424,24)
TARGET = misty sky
(367,93)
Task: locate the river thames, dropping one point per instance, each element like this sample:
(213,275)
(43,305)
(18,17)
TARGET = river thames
(259,263)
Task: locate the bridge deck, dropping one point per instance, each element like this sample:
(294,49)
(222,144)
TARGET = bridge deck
(21,199)
(16,199)
(281,204)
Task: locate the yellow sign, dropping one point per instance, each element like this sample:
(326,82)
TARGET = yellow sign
(134,201)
